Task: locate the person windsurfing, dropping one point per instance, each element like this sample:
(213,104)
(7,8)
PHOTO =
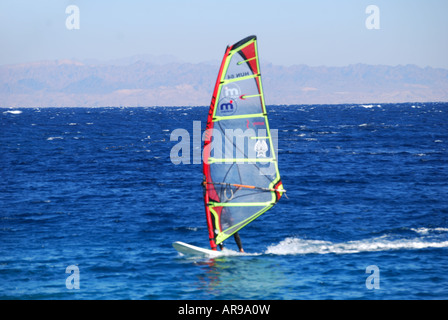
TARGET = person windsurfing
(237,238)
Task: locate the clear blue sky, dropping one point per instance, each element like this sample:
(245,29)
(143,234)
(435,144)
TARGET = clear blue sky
(319,32)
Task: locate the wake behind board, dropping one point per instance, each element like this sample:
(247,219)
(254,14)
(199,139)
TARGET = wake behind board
(190,250)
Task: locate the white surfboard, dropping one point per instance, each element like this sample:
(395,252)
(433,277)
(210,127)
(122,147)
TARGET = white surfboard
(193,251)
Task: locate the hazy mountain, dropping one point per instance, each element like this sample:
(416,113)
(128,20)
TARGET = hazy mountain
(166,81)
(149,58)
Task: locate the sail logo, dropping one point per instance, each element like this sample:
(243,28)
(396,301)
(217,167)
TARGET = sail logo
(231,91)
(260,148)
(227,107)
(238,75)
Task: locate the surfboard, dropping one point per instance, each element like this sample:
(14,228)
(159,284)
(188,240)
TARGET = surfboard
(193,251)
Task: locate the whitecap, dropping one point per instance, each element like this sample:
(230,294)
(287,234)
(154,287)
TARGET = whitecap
(369,106)
(13,112)
(291,246)
(425,231)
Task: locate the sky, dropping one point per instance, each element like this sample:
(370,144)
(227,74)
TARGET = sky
(290,32)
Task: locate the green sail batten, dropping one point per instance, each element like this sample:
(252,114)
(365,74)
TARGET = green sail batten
(226,81)
(239,160)
(240,116)
(240,204)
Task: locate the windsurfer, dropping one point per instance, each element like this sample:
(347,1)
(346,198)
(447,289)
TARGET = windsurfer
(237,238)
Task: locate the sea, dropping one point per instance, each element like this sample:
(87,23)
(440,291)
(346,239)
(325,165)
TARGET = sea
(91,202)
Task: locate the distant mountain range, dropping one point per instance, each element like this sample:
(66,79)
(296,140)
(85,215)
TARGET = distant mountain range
(165,81)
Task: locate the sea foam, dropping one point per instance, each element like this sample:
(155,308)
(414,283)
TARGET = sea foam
(294,245)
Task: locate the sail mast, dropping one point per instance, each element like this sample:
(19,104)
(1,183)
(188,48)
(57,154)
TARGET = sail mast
(206,153)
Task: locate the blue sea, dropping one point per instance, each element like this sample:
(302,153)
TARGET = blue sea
(90,204)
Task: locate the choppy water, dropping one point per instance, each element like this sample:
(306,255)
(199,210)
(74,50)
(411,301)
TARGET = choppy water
(94,188)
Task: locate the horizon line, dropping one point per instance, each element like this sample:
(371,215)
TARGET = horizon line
(364,105)
(175,60)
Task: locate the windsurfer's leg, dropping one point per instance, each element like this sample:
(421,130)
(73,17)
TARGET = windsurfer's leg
(238,241)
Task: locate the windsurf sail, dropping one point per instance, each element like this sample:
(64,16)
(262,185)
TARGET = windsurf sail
(241,177)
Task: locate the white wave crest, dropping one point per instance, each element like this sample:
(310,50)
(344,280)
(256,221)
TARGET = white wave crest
(383,243)
(13,112)
(369,106)
(428,230)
